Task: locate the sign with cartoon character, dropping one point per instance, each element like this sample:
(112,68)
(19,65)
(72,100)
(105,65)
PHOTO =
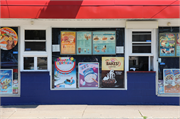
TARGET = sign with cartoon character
(167,44)
(68,42)
(64,72)
(171,78)
(104,42)
(178,45)
(6,77)
(88,74)
(8,38)
(112,75)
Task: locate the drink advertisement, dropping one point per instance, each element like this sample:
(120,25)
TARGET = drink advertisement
(88,75)
(112,72)
(178,45)
(8,38)
(167,45)
(171,80)
(6,77)
(68,42)
(104,42)
(64,72)
(84,43)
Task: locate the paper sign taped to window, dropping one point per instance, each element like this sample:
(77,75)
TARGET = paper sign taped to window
(119,49)
(56,48)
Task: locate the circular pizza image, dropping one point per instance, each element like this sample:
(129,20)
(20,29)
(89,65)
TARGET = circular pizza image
(8,38)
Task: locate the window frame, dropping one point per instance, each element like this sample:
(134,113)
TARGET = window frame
(154,48)
(36,54)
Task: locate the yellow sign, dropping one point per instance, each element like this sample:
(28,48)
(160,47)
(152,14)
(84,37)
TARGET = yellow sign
(113,63)
(68,40)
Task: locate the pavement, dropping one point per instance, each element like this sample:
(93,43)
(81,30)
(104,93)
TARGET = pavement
(89,112)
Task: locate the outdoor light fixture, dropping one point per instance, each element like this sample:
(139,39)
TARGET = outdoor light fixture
(169,23)
(32,22)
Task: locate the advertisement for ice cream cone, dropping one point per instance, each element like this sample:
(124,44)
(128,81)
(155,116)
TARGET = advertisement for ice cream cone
(112,75)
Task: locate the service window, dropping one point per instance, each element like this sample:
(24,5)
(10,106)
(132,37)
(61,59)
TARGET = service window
(35,54)
(141,51)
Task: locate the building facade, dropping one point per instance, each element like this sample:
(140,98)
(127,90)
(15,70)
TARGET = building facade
(90,52)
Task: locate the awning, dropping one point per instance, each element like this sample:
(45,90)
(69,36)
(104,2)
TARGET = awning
(90,9)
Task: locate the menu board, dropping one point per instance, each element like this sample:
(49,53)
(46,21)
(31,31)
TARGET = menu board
(171,78)
(84,43)
(112,75)
(167,44)
(88,74)
(8,38)
(104,42)
(6,77)
(65,72)
(178,45)
(68,42)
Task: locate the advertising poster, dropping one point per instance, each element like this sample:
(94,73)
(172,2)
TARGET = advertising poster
(84,43)
(178,45)
(160,87)
(88,74)
(68,42)
(65,72)
(8,38)
(171,80)
(167,45)
(112,75)
(6,77)
(104,42)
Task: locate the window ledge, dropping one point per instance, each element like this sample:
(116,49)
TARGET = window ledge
(34,71)
(141,71)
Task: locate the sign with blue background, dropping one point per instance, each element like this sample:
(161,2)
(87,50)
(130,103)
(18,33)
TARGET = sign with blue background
(104,42)
(84,43)
(6,77)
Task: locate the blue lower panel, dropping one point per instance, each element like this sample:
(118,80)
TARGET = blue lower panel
(35,89)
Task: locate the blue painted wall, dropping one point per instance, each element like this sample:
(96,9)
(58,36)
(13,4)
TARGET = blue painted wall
(35,89)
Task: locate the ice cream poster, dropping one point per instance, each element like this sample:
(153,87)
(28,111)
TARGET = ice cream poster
(104,42)
(88,75)
(68,42)
(8,38)
(6,77)
(167,44)
(178,45)
(112,75)
(84,43)
(64,72)
(171,79)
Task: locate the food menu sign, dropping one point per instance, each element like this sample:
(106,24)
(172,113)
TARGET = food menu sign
(178,45)
(6,78)
(167,44)
(68,42)
(104,42)
(64,72)
(88,75)
(112,72)
(84,43)
(8,38)
(171,78)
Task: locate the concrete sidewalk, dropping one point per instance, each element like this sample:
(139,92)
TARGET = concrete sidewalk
(88,112)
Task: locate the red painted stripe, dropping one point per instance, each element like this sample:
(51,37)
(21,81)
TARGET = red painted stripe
(90,9)
(90,2)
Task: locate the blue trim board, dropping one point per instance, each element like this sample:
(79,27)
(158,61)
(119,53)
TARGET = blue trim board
(35,89)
